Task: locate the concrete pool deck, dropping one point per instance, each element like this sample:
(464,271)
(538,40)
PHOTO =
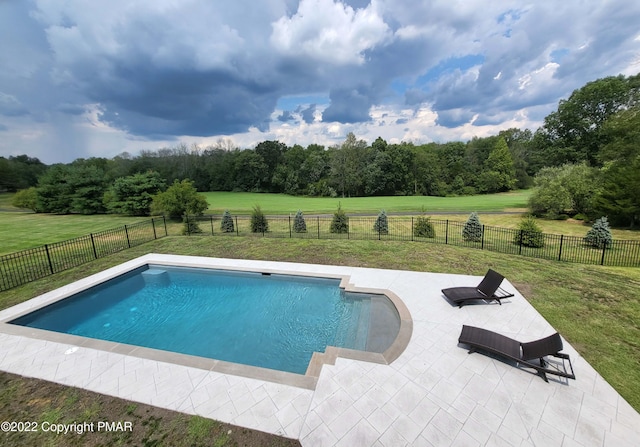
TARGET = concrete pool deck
(434,393)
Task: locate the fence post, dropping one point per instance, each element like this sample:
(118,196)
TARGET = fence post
(46,248)
(166,233)
(560,251)
(604,250)
(186,221)
(290,236)
(211,217)
(93,244)
(153,224)
(237,229)
(126,231)
(446,232)
(520,244)
(482,239)
(318,218)
(379,229)
(412,228)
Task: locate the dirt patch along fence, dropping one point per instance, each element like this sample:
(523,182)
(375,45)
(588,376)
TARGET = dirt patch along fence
(29,265)
(619,253)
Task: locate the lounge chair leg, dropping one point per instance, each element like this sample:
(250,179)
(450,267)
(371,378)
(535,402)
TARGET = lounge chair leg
(542,373)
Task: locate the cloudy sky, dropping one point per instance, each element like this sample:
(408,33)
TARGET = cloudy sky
(95,78)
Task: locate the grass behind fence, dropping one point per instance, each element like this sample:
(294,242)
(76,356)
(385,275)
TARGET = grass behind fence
(242,203)
(29,265)
(401,228)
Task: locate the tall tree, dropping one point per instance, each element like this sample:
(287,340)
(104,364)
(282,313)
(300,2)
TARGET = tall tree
(251,172)
(272,153)
(428,173)
(20,172)
(573,133)
(519,142)
(499,172)
(619,197)
(347,163)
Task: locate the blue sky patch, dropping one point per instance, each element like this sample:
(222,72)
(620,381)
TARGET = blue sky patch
(558,55)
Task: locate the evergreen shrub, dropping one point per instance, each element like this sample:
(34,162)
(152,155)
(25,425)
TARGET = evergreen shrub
(340,222)
(190,226)
(226,225)
(422,227)
(299,225)
(381,225)
(530,234)
(259,222)
(472,230)
(599,236)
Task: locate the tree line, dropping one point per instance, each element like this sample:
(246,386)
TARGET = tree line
(582,160)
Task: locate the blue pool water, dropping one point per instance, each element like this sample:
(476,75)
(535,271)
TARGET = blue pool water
(270,321)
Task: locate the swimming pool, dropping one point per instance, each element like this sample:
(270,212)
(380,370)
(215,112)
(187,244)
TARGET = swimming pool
(277,320)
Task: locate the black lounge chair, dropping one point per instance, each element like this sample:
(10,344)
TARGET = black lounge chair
(488,290)
(523,353)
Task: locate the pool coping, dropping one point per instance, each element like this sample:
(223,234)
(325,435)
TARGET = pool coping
(307,381)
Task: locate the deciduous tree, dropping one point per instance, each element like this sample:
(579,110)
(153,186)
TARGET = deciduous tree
(179,199)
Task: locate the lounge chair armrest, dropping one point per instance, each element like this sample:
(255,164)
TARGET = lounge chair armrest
(563,356)
(501,293)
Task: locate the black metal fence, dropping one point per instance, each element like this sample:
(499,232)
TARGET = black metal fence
(621,253)
(28,265)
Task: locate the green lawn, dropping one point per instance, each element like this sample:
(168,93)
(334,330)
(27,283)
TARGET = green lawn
(21,230)
(5,200)
(595,308)
(243,202)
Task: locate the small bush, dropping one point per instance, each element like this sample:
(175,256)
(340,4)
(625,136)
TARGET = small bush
(190,226)
(599,236)
(340,222)
(259,223)
(226,225)
(423,227)
(381,225)
(27,199)
(299,225)
(472,230)
(530,234)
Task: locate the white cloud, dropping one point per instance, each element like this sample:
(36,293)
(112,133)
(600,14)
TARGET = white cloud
(330,32)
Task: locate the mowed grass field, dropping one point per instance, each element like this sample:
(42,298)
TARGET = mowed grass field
(243,203)
(21,230)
